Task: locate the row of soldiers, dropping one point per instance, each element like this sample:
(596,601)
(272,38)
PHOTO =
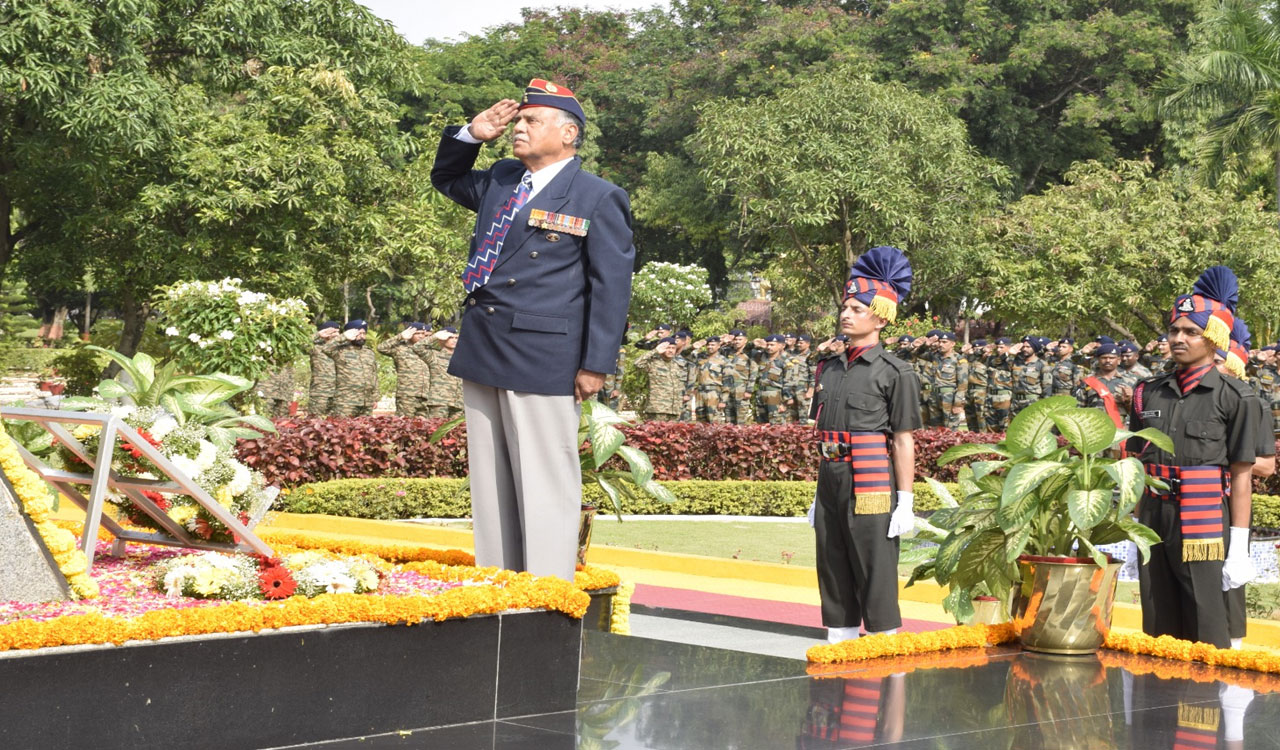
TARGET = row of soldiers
(344,373)
(981,385)
(725,379)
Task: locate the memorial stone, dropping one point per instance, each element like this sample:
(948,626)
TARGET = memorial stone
(28,572)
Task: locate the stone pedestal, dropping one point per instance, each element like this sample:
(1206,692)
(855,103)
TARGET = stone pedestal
(28,573)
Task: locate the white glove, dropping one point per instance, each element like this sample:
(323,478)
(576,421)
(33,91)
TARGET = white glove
(350,334)
(904,516)
(1238,569)
(441,335)
(812,507)
(1235,700)
(407,333)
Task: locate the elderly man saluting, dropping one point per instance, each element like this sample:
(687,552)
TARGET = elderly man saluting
(548,282)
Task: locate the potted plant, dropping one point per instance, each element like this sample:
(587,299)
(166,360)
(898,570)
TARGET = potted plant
(1033,519)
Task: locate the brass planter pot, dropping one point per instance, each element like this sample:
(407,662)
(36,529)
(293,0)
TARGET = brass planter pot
(1064,604)
(988,610)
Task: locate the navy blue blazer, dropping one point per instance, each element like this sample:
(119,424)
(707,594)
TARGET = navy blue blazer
(556,302)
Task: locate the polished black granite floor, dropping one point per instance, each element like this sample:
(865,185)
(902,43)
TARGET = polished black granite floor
(643,693)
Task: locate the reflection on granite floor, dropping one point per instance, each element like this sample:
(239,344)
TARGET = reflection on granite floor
(642,693)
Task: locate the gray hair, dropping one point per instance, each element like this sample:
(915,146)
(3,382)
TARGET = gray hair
(569,118)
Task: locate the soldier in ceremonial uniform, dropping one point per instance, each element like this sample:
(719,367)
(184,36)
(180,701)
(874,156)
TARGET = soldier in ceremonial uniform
(1000,386)
(709,378)
(356,373)
(667,382)
(1030,374)
(866,403)
(950,384)
(277,392)
(320,394)
(1214,434)
(413,377)
(774,386)
(739,408)
(976,395)
(1065,374)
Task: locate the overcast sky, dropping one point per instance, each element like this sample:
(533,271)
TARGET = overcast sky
(419,20)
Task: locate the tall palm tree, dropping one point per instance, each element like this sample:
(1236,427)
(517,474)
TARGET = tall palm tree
(1232,78)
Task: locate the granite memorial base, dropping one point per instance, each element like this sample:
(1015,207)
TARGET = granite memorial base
(290,686)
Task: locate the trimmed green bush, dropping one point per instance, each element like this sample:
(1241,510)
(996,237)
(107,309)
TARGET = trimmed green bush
(446,498)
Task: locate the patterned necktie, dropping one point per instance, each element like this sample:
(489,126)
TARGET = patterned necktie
(485,258)
(1189,378)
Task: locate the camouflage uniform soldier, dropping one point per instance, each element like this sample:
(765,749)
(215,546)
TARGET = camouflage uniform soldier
(610,395)
(685,354)
(976,403)
(320,394)
(356,388)
(804,362)
(1129,362)
(1065,375)
(276,392)
(709,396)
(774,383)
(1156,358)
(444,400)
(739,390)
(950,384)
(667,378)
(413,379)
(1116,392)
(1267,383)
(1031,375)
(1000,386)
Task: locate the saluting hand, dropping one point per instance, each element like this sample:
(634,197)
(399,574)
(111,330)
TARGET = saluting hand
(492,123)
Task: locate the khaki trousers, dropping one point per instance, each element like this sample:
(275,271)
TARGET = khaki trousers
(526,480)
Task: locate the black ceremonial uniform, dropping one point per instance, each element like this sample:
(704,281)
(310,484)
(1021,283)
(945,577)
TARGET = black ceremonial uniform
(1215,424)
(857,562)
(1237,614)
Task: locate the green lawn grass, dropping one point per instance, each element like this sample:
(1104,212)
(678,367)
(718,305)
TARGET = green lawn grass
(787,543)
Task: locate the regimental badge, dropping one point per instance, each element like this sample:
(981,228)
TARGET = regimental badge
(559,222)
(552,237)
(1186,305)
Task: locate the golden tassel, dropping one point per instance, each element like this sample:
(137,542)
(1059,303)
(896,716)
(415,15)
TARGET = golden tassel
(881,307)
(1199,717)
(1200,550)
(1217,331)
(871,504)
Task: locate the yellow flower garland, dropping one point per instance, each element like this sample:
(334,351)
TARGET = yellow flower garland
(1168,647)
(620,615)
(906,644)
(33,494)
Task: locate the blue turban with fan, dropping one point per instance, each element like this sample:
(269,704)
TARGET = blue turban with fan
(880,278)
(1211,304)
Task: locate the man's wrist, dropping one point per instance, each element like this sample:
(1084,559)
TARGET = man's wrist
(464,135)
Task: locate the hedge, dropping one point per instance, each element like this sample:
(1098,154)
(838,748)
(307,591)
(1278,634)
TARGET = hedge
(315,450)
(447,498)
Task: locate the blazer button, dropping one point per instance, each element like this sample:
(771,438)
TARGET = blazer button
(511,282)
(472,302)
(533,254)
(488,310)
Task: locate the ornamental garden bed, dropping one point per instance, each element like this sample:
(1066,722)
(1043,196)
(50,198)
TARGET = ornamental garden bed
(437,642)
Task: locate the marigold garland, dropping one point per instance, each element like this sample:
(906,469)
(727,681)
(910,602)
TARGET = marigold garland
(620,614)
(1138,664)
(905,644)
(958,659)
(1168,647)
(33,493)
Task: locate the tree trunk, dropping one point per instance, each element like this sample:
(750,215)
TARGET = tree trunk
(346,301)
(368,303)
(1277,185)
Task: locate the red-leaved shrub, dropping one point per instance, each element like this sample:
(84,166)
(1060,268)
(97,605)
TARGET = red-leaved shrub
(316,450)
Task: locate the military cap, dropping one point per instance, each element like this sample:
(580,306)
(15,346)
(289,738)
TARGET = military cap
(841,337)
(684,334)
(737,332)
(357,323)
(1003,341)
(1211,305)
(667,340)
(1105,340)
(662,327)
(979,342)
(1106,349)
(1127,347)
(947,335)
(932,333)
(450,329)
(803,337)
(328,324)
(1162,337)
(1067,340)
(543,93)
(906,339)
(880,278)
(775,337)
(419,326)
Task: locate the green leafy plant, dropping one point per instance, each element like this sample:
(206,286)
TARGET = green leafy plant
(143,382)
(598,429)
(1038,498)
